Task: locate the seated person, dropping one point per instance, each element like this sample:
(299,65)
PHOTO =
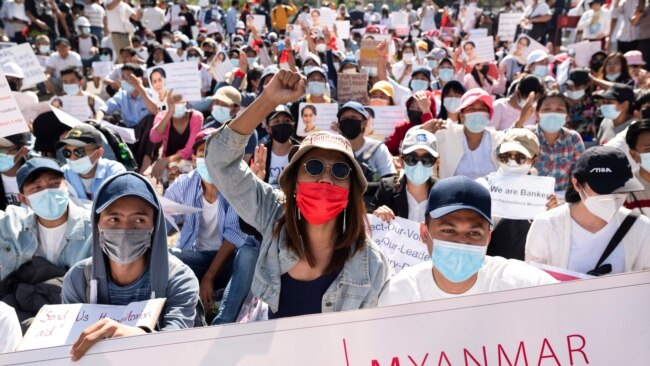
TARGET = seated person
(130,263)
(85,168)
(73,85)
(638,140)
(457,230)
(13,154)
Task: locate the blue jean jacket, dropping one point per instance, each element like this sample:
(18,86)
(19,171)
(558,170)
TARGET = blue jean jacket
(359,283)
(105,169)
(19,238)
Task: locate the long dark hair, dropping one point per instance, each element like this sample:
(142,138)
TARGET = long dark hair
(348,242)
(625,74)
(451,85)
(571,195)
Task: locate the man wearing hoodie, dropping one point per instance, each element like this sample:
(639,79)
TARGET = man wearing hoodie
(130,263)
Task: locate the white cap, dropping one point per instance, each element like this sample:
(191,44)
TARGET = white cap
(82,22)
(537,56)
(12,69)
(417,138)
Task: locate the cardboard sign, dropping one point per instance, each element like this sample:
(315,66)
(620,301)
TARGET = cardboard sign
(478,50)
(11,120)
(57,325)
(102,69)
(400,242)
(314,117)
(602,321)
(368,55)
(508,23)
(386,118)
(74,105)
(583,51)
(183,77)
(23,55)
(353,87)
(519,197)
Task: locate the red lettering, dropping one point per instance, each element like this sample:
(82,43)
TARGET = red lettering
(571,349)
(419,364)
(542,356)
(393,362)
(443,355)
(466,353)
(520,350)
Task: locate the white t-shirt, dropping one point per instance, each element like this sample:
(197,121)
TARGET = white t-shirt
(153,18)
(477,163)
(88,184)
(10,185)
(208,237)
(117,18)
(59,63)
(416,209)
(50,242)
(10,333)
(497,274)
(505,115)
(85,44)
(278,163)
(586,248)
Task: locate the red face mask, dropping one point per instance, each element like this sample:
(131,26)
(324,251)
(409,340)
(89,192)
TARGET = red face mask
(320,202)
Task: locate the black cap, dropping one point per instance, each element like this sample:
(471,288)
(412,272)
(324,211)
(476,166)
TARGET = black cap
(47,129)
(80,136)
(33,166)
(618,92)
(280,109)
(459,193)
(19,139)
(422,70)
(634,130)
(607,170)
(63,41)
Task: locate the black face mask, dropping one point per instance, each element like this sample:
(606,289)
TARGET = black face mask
(208,54)
(415,116)
(282,132)
(645,113)
(350,128)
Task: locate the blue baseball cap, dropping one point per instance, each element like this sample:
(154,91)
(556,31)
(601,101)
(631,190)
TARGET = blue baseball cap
(127,184)
(355,106)
(459,193)
(422,70)
(33,166)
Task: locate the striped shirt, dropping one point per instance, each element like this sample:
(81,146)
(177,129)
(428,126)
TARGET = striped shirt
(558,160)
(139,290)
(95,14)
(187,190)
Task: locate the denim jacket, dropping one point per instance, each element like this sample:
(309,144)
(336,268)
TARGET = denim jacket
(19,237)
(105,168)
(360,281)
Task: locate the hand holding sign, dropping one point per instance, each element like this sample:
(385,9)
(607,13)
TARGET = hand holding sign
(105,328)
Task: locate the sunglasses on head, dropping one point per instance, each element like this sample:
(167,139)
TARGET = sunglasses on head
(412,159)
(519,158)
(316,168)
(79,152)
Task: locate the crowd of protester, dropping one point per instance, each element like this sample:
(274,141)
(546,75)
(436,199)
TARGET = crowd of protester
(279,226)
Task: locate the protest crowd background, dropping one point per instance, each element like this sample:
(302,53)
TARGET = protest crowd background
(229,156)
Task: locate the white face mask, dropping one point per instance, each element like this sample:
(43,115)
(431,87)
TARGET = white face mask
(407,57)
(645,161)
(513,168)
(604,206)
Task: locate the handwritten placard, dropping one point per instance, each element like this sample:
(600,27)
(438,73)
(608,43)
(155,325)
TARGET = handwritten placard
(519,197)
(182,77)
(76,106)
(508,25)
(353,87)
(386,118)
(478,50)
(11,120)
(23,55)
(400,242)
(102,69)
(316,117)
(57,325)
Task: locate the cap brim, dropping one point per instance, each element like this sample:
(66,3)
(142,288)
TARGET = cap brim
(115,198)
(513,146)
(410,149)
(5,143)
(73,142)
(632,185)
(607,96)
(37,170)
(446,210)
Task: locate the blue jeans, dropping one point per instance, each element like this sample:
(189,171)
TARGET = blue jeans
(239,285)
(99,32)
(199,262)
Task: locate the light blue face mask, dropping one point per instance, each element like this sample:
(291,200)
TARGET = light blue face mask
(316,88)
(179,111)
(104,57)
(127,87)
(220,114)
(6,162)
(81,166)
(645,161)
(613,77)
(203,170)
(419,85)
(575,94)
(540,71)
(609,111)
(433,64)
(552,122)
(177,45)
(445,74)
(234,62)
(451,104)
(418,174)
(457,262)
(251,60)
(50,203)
(476,122)
(71,89)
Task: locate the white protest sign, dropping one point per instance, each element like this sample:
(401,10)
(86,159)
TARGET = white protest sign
(342,29)
(427,23)
(102,69)
(602,321)
(76,106)
(400,22)
(11,119)
(327,17)
(258,21)
(520,197)
(64,117)
(563,71)
(183,77)
(171,208)
(508,25)
(127,134)
(532,46)
(24,56)
(478,33)
(219,69)
(386,118)
(4,45)
(295,33)
(478,50)
(400,242)
(583,51)
(57,325)
(314,117)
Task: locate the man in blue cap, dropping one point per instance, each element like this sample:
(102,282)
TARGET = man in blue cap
(130,263)
(457,230)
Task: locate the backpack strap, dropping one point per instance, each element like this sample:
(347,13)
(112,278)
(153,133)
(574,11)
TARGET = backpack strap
(620,233)
(370,151)
(91,284)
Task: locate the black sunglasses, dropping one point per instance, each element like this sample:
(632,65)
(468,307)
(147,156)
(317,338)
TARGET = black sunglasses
(518,158)
(412,159)
(315,168)
(79,152)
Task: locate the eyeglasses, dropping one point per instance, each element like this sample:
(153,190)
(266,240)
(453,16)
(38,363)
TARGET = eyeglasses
(412,159)
(79,152)
(518,158)
(316,168)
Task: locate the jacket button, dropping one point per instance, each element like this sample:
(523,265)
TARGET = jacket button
(328,304)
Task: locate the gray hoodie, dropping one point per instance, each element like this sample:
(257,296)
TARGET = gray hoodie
(87,281)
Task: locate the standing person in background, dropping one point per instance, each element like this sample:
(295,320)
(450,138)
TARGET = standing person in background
(280,15)
(118,21)
(627,37)
(96,15)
